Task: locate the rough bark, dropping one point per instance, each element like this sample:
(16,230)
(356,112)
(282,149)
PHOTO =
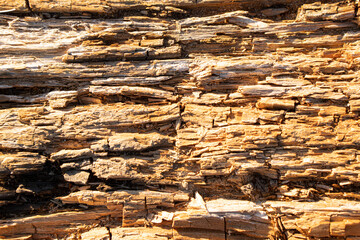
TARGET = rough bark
(179,119)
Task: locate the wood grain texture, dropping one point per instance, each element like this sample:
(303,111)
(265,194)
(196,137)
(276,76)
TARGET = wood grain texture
(179,120)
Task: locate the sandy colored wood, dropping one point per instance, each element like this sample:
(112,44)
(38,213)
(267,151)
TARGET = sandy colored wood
(166,122)
(108,6)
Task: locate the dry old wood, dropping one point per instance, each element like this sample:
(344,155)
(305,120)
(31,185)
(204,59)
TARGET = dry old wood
(179,120)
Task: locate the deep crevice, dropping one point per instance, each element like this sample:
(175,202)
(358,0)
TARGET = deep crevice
(110,234)
(225,230)
(27,4)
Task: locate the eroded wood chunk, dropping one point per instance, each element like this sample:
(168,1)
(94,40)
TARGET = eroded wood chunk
(179,119)
(22,162)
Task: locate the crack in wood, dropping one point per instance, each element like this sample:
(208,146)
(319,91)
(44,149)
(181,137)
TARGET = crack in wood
(27,4)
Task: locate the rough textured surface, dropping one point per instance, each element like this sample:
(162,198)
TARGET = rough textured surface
(179,119)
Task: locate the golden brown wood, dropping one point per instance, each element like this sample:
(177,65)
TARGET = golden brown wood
(179,120)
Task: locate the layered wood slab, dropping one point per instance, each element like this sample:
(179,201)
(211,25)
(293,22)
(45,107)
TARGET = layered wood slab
(165,121)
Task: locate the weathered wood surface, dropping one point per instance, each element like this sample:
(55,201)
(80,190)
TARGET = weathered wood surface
(110,6)
(174,123)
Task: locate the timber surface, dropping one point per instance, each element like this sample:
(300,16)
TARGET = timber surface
(179,119)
